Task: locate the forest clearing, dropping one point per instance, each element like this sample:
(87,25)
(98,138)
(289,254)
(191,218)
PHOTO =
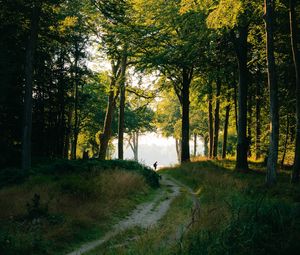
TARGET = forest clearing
(149,127)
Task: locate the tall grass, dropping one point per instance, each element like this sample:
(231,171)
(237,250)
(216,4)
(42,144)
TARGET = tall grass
(238,214)
(66,203)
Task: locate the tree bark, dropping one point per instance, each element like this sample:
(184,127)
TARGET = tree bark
(134,144)
(122,85)
(235,107)
(178,149)
(273,87)
(106,134)
(258,120)
(76,99)
(210,121)
(296,58)
(29,72)
(242,145)
(195,144)
(285,140)
(224,148)
(205,141)
(217,120)
(185,127)
(250,113)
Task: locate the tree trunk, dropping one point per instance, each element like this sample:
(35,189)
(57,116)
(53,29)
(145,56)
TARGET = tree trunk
(178,149)
(205,141)
(224,148)
(296,58)
(242,145)
(272,82)
(29,72)
(250,113)
(235,107)
(68,133)
(258,120)
(136,150)
(105,136)
(76,94)
(195,144)
(134,144)
(210,121)
(285,140)
(185,127)
(122,85)
(217,120)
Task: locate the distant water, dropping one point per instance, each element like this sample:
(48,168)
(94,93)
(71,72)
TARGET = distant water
(153,147)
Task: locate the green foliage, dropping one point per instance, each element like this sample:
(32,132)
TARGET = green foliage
(70,167)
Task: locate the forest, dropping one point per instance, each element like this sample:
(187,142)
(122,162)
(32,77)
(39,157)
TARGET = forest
(82,80)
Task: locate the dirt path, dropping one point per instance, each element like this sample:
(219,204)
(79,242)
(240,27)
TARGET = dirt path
(145,215)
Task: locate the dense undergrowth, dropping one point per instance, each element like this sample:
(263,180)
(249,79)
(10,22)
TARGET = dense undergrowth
(61,204)
(239,215)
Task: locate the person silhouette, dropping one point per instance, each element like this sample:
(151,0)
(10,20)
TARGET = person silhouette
(155,165)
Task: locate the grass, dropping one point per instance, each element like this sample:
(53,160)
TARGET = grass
(239,215)
(64,204)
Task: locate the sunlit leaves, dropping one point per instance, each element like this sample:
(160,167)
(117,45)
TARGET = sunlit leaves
(68,23)
(225,14)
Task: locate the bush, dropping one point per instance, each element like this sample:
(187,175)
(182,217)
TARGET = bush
(59,167)
(35,209)
(9,176)
(269,229)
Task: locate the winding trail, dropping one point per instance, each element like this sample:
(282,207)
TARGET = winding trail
(145,215)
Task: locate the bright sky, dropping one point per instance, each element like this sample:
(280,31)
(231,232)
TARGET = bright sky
(153,147)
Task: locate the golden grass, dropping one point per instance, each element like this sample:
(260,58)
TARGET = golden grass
(113,194)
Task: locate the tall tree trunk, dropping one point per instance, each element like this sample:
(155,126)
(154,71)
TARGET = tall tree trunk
(68,133)
(296,58)
(258,120)
(210,121)
(224,148)
(241,52)
(76,94)
(29,72)
(61,97)
(235,107)
(134,144)
(122,85)
(178,149)
(250,113)
(205,141)
(136,149)
(106,134)
(272,82)
(217,120)
(285,140)
(185,127)
(195,144)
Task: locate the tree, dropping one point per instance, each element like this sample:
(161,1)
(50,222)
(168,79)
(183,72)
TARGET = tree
(273,87)
(29,71)
(173,46)
(296,59)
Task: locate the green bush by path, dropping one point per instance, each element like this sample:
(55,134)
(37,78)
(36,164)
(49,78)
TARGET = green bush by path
(59,167)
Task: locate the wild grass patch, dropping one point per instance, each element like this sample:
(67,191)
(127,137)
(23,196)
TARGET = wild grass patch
(57,209)
(239,215)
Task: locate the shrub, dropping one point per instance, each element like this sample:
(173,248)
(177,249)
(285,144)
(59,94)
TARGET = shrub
(35,209)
